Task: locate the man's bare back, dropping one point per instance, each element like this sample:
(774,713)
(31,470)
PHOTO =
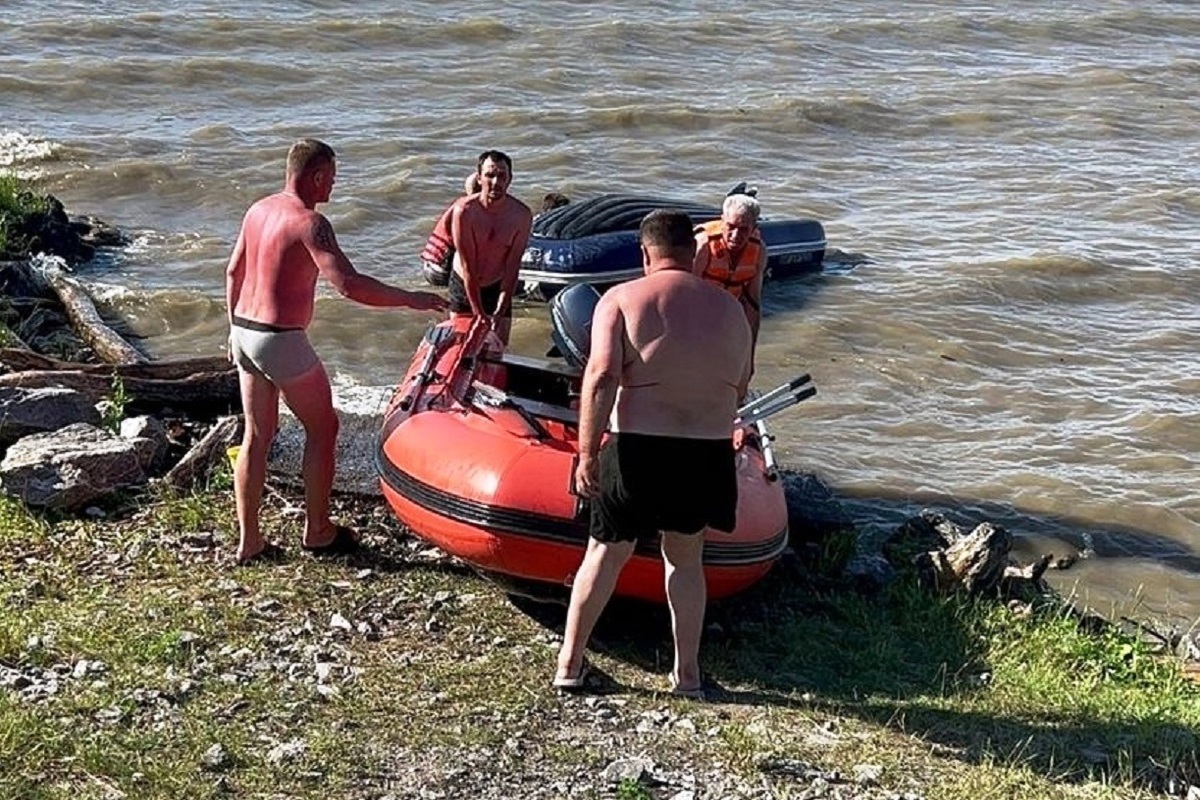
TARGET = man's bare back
(686,383)
(279,288)
(670,355)
(284,245)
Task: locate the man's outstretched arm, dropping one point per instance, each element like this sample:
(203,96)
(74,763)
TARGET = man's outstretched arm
(336,268)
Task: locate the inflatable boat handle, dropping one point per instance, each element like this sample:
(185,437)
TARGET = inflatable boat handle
(778,391)
(435,337)
(760,411)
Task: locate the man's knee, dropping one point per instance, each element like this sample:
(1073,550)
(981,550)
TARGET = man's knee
(324,422)
(310,398)
(612,555)
(682,550)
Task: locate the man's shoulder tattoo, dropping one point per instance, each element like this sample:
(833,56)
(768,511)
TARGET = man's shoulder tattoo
(323,233)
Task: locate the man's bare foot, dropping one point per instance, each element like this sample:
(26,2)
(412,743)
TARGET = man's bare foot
(571,679)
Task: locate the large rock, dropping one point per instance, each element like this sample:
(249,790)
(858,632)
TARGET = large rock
(24,412)
(69,468)
(51,230)
(149,438)
(821,533)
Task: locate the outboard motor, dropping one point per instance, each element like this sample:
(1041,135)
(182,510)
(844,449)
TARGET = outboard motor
(571,313)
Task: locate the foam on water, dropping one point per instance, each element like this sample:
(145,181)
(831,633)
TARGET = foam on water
(20,154)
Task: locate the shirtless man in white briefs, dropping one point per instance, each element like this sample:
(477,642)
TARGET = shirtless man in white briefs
(283,247)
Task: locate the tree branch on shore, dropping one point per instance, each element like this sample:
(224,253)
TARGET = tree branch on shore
(205,394)
(206,453)
(17,360)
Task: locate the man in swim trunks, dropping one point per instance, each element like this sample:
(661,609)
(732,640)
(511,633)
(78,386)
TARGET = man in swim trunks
(490,230)
(670,356)
(730,253)
(283,246)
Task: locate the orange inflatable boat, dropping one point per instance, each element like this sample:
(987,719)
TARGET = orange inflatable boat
(477,453)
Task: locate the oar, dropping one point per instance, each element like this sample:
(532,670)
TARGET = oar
(498,398)
(462,370)
(779,398)
(763,406)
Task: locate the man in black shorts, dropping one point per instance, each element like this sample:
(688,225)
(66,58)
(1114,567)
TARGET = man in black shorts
(489,231)
(670,356)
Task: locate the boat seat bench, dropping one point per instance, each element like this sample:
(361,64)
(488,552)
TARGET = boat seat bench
(568,416)
(558,369)
(539,364)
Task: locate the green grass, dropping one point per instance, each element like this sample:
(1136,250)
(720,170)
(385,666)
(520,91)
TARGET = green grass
(632,790)
(17,202)
(442,680)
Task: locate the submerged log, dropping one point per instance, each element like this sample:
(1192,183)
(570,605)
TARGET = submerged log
(207,394)
(206,454)
(1026,583)
(107,343)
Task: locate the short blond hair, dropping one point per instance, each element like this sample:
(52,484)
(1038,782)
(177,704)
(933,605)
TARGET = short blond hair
(308,154)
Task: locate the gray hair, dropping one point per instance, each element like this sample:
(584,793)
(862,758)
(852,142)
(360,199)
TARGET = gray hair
(741,204)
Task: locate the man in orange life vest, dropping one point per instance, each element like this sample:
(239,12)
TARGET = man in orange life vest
(731,254)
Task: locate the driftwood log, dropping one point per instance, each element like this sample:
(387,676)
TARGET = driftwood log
(1026,583)
(974,562)
(206,454)
(207,394)
(45,309)
(107,343)
(16,360)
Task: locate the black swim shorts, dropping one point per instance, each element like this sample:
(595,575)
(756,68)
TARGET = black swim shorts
(663,483)
(460,304)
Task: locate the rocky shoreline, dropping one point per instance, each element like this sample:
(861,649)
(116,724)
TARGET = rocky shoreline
(86,420)
(101,419)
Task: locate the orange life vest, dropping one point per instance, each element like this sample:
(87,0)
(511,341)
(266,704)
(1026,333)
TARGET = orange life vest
(440,247)
(733,277)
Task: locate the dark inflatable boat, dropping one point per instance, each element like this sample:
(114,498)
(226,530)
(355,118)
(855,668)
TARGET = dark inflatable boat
(595,241)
